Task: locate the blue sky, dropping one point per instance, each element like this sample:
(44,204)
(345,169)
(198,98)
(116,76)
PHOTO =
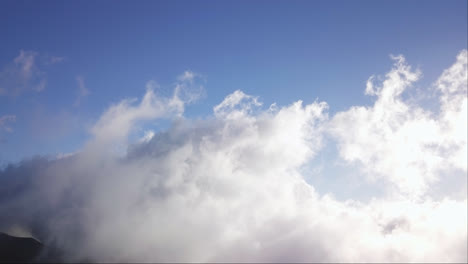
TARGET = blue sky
(134,131)
(281,51)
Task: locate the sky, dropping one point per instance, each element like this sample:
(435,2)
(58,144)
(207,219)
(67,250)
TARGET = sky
(267,129)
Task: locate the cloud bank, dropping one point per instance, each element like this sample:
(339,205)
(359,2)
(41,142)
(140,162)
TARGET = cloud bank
(230,188)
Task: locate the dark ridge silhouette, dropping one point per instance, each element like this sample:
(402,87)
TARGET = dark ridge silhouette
(18,249)
(27,250)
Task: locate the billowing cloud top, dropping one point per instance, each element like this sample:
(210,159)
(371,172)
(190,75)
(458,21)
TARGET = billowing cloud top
(403,143)
(231,187)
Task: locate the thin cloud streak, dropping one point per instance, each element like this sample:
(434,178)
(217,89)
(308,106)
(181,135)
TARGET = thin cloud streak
(82,90)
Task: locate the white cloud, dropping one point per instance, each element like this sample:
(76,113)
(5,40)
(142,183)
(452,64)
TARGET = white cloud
(187,76)
(149,134)
(118,121)
(453,113)
(403,143)
(239,100)
(189,87)
(231,188)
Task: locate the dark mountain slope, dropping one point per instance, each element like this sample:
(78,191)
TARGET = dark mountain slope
(18,249)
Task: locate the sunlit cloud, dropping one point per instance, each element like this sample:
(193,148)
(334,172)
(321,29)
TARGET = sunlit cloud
(403,143)
(231,187)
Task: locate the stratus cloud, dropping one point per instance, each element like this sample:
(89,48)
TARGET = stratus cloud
(231,188)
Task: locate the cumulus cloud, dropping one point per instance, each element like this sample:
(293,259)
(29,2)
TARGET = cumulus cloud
(231,187)
(117,122)
(401,142)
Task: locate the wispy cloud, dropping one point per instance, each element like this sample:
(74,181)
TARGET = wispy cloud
(190,86)
(82,90)
(55,59)
(4,120)
(187,76)
(25,73)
